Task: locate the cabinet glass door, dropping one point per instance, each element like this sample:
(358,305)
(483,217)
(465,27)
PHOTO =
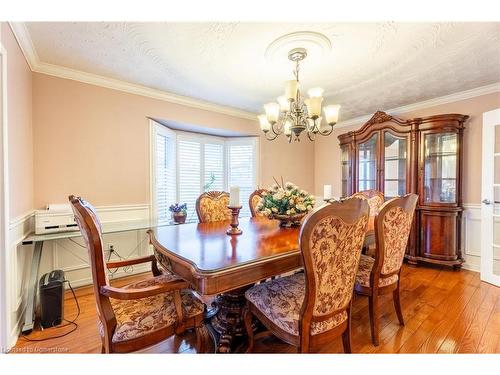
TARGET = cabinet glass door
(440,167)
(345,165)
(367,164)
(395,150)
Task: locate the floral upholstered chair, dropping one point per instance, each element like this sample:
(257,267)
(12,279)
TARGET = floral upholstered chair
(381,275)
(375,199)
(309,309)
(212,206)
(140,314)
(254,200)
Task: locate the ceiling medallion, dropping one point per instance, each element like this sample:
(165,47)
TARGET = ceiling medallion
(293,114)
(316,44)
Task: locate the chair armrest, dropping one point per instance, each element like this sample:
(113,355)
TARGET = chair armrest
(129,262)
(137,293)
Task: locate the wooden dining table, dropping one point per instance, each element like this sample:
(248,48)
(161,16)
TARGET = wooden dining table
(215,263)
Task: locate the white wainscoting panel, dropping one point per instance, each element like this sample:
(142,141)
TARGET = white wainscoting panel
(70,255)
(471,236)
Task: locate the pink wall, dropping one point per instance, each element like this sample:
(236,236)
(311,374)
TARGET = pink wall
(20,132)
(94,141)
(327,151)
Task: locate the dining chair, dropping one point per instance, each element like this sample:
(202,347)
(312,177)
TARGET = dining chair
(382,274)
(212,206)
(140,314)
(375,199)
(309,309)
(254,200)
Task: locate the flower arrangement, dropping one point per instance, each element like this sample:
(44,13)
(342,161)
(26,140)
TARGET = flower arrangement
(286,202)
(176,208)
(179,212)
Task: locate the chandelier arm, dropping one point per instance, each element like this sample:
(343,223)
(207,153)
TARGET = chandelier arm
(311,137)
(271,138)
(328,132)
(276,131)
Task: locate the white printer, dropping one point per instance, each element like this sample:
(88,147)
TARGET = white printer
(55,218)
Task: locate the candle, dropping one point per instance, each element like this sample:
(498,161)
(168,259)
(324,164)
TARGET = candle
(327,192)
(234,196)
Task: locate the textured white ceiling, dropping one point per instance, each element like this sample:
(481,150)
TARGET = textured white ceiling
(371,66)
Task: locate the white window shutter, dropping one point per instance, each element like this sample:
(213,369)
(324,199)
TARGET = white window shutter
(242,169)
(165,172)
(214,167)
(189,172)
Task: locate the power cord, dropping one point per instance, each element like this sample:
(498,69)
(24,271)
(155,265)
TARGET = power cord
(126,269)
(69,322)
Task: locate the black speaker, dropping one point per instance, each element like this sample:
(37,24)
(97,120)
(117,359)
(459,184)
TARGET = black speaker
(52,298)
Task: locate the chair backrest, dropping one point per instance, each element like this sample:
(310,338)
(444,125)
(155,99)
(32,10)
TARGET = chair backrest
(375,199)
(90,227)
(254,200)
(212,206)
(392,230)
(331,240)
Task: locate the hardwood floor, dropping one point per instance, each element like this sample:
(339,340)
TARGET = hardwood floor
(445,312)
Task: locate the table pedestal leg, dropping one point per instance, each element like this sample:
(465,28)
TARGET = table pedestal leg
(228,321)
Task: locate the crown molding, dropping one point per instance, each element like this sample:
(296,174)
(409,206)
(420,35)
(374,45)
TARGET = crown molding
(455,97)
(23,37)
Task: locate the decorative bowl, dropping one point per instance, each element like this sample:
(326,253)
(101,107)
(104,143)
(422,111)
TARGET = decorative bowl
(288,221)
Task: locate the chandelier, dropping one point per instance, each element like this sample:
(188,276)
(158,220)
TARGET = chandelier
(293,114)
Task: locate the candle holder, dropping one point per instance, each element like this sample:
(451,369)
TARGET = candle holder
(235,212)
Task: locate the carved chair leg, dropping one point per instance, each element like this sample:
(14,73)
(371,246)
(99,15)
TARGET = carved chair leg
(397,305)
(202,337)
(374,323)
(346,340)
(247,318)
(103,349)
(346,336)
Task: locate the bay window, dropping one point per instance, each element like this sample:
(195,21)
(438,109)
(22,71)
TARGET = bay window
(184,165)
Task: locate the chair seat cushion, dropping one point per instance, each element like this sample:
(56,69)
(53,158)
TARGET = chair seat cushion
(136,318)
(364,270)
(280,301)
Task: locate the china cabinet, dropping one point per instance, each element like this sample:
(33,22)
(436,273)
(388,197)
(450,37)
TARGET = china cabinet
(420,155)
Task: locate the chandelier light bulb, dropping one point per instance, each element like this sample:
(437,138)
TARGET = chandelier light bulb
(287,128)
(314,106)
(332,113)
(272,112)
(315,92)
(291,88)
(284,103)
(265,126)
